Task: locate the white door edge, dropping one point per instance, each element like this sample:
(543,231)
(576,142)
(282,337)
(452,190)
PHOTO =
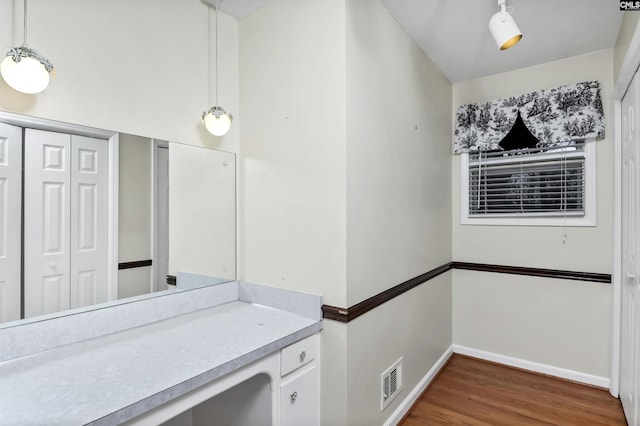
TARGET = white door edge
(614,386)
(112,221)
(155,266)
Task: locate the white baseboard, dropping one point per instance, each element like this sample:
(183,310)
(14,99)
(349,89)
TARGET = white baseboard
(550,370)
(413,396)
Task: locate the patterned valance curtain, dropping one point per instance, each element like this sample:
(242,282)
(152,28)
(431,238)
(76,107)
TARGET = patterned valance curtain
(553,116)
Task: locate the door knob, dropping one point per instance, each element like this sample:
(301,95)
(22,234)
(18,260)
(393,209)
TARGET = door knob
(630,276)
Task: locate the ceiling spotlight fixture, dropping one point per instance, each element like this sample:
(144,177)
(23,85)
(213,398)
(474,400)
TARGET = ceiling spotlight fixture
(503,28)
(25,69)
(216,120)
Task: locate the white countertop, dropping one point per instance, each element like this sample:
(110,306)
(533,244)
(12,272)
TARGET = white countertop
(110,379)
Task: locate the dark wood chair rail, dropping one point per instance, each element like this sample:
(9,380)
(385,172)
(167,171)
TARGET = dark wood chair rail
(135,264)
(337,313)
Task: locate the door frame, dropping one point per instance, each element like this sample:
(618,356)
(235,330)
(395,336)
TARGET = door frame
(630,65)
(156,144)
(113,142)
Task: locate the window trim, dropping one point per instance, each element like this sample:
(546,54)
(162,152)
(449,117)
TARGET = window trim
(589,218)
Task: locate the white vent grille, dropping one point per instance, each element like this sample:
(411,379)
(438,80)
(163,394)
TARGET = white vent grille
(391,383)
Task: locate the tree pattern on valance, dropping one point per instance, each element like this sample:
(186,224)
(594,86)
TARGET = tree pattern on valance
(554,116)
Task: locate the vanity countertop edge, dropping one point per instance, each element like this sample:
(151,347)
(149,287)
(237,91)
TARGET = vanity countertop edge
(113,378)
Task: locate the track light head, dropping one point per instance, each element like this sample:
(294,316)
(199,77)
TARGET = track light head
(503,28)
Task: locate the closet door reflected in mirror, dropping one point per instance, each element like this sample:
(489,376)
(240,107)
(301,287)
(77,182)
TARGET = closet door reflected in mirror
(65,221)
(54,223)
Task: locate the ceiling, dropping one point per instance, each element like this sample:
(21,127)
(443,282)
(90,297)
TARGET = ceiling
(455,33)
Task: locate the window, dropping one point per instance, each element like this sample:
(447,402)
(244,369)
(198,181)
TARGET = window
(553,186)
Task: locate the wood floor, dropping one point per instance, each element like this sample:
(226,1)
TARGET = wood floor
(473,392)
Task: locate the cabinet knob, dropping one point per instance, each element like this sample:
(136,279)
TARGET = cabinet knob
(303,355)
(294,396)
(630,276)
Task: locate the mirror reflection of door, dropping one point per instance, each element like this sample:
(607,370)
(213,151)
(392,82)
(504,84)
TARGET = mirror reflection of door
(65,221)
(54,220)
(54,224)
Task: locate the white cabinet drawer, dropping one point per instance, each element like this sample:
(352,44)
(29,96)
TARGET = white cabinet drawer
(299,354)
(300,398)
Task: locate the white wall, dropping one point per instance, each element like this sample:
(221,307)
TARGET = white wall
(562,323)
(398,155)
(134,217)
(562,318)
(340,194)
(334,380)
(138,67)
(627,29)
(416,326)
(292,164)
(398,206)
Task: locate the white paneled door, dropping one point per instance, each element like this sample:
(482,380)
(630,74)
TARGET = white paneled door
(630,327)
(65,221)
(47,222)
(10,220)
(89,210)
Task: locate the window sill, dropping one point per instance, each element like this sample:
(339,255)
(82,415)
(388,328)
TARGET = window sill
(531,221)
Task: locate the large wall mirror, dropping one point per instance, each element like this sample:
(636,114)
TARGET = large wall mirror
(89,216)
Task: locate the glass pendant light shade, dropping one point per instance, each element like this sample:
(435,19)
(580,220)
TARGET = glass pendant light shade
(504,30)
(217,121)
(25,70)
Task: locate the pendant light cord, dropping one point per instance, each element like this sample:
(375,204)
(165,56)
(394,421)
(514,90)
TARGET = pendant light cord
(209,56)
(216,52)
(24,37)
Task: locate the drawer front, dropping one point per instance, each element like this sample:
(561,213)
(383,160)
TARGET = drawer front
(300,399)
(299,354)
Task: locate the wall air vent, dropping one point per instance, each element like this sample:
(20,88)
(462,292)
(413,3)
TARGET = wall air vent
(391,383)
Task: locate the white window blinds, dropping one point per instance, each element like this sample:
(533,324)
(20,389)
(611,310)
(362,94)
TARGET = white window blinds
(532,182)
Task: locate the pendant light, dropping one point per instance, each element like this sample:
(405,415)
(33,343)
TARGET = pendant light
(216,120)
(503,28)
(25,69)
